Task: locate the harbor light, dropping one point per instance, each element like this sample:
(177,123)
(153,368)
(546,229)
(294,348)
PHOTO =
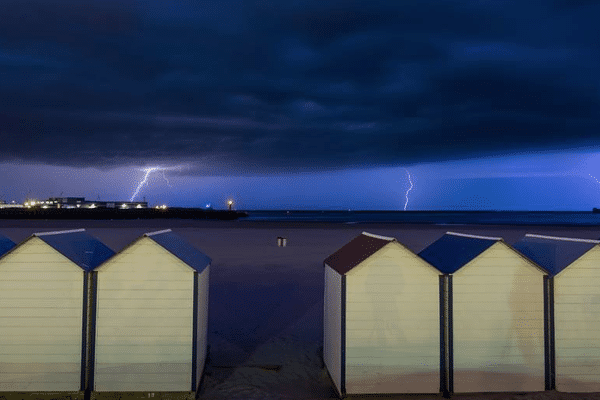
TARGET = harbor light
(230,204)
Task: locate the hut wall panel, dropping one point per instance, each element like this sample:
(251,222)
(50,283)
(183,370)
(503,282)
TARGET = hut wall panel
(41,305)
(122,362)
(503,349)
(332,355)
(202,339)
(392,324)
(577,325)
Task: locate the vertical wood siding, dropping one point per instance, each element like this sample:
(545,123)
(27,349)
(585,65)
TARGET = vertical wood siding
(498,323)
(203,288)
(393,324)
(41,306)
(332,325)
(577,325)
(144,321)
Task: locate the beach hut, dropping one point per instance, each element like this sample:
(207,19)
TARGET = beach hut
(496,311)
(44,309)
(574,308)
(151,321)
(381,319)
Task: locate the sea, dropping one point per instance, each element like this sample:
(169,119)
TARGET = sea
(542,218)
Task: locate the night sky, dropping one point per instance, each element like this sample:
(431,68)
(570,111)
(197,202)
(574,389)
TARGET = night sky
(466,104)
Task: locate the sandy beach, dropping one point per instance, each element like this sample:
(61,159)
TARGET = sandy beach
(266,302)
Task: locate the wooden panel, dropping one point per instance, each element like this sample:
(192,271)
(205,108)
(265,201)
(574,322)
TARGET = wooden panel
(131,274)
(388,306)
(150,304)
(156,376)
(41,302)
(54,385)
(43,312)
(145,313)
(72,349)
(499,378)
(390,355)
(139,331)
(392,331)
(43,285)
(130,340)
(384,379)
(577,324)
(39,295)
(332,335)
(377,314)
(31,339)
(159,294)
(152,386)
(40,322)
(132,334)
(499,348)
(145,285)
(147,322)
(19,368)
(394,336)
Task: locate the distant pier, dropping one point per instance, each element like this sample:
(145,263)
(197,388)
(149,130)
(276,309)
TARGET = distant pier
(116,213)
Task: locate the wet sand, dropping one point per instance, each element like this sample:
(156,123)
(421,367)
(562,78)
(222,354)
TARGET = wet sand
(266,302)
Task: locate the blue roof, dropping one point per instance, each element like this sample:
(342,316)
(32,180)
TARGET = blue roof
(180,249)
(552,254)
(451,252)
(5,245)
(78,246)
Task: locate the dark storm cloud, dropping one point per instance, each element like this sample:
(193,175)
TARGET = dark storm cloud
(268,86)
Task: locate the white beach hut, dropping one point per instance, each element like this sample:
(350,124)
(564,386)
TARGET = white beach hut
(151,321)
(574,308)
(496,312)
(44,307)
(381,319)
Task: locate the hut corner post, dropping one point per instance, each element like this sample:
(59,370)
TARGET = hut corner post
(446,361)
(89,317)
(549,342)
(195,334)
(343,340)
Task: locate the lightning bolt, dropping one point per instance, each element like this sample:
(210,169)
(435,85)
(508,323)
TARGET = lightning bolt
(409,189)
(163,174)
(144,181)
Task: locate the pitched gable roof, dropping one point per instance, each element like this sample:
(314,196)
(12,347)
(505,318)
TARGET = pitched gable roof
(5,245)
(356,251)
(454,250)
(78,246)
(553,253)
(180,249)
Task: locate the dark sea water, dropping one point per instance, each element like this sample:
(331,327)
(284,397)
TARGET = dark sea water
(555,218)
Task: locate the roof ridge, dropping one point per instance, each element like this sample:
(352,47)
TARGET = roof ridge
(58,232)
(157,232)
(390,239)
(563,238)
(474,236)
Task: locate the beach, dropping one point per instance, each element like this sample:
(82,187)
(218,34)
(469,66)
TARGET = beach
(265,328)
